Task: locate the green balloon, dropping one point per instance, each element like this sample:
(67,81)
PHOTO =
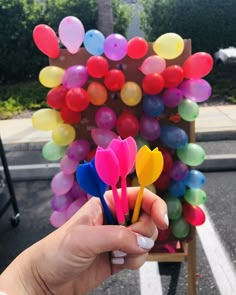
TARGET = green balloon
(53,152)
(195,196)
(180,228)
(174,207)
(191,154)
(188,110)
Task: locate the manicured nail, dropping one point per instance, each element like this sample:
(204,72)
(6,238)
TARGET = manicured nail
(118,253)
(166,219)
(118,260)
(144,242)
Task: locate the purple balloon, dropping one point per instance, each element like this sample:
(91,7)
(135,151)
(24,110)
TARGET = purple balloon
(198,90)
(60,203)
(62,183)
(75,206)
(115,47)
(57,219)
(179,171)
(68,165)
(75,76)
(76,191)
(172,97)
(105,118)
(149,128)
(102,137)
(78,150)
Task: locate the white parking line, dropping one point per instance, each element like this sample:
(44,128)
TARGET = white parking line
(218,258)
(32,166)
(150,279)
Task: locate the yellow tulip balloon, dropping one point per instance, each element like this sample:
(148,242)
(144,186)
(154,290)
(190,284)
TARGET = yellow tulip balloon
(51,76)
(131,93)
(46,119)
(63,134)
(169,45)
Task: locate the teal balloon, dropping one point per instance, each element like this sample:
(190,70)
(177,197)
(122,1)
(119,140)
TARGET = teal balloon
(174,207)
(188,110)
(53,152)
(195,196)
(94,42)
(180,228)
(191,154)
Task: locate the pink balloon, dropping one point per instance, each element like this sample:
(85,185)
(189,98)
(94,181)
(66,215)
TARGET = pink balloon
(172,97)
(115,47)
(75,76)
(71,33)
(194,215)
(60,203)
(68,165)
(105,118)
(75,206)
(78,150)
(57,219)
(62,183)
(153,64)
(76,191)
(102,137)
(198,90)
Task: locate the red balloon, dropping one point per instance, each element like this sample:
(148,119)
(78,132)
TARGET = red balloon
(137,47)
(127,125)
(198,65)
(91,155)
(77,99)
(97,66)
(46,40)
(70,116)
(163,181)
(114,80)
(168,160)
(153,83)
(173,76)
(56,97)
(194,215)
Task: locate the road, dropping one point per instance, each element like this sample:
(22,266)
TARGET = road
(216,242)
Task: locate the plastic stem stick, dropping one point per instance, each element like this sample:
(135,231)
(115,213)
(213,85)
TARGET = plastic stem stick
(119,211)
(137,205)
(124,198)
(107,211)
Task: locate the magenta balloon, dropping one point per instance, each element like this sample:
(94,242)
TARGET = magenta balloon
(105,118)
(57,219)
(149,128)
(76,191)
(62,183)
(75,206)
(179,171)
(198,90)
(60,203)
(68,165)
(172,97)
(102,137)
(78,150)
(115,47)
(75,76)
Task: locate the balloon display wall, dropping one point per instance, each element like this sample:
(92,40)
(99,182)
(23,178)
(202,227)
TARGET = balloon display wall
(122,113)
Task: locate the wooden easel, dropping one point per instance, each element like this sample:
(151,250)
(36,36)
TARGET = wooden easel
(131,70)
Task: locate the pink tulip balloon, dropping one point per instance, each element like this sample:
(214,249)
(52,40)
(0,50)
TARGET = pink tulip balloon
(62,183)
(102,137)
(153,64)
(71,33)
(115,47)
(198,90)
(75,76)
(78,150)
(57,219)
(68,165)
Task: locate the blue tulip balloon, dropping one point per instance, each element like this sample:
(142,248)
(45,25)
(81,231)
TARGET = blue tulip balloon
(177,188)
(94,42)
(173,137)
(195,179)
(153,105)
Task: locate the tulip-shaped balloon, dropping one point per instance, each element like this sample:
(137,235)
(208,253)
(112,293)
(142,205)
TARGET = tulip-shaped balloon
(108,168)
(149,165)
(125,151)
(90,182)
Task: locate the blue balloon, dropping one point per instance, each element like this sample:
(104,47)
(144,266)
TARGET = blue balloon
(173,137)
(177,188)
(195,179)
(94,42)
(153,105)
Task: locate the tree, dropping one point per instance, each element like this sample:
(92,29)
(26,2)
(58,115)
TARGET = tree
(105,16)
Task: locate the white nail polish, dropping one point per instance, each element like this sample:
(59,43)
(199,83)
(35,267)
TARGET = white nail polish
(118,261)
(166,220)
(145,243)
(118,253)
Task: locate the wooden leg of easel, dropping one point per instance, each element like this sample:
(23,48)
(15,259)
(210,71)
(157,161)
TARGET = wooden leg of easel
(191,261)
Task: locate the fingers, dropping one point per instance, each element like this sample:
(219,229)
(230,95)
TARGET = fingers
(145,226)
(130,262)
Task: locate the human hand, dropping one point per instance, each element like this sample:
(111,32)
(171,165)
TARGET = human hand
(79,256)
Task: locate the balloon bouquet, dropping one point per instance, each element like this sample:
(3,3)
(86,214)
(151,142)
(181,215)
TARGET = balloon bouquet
(121,113)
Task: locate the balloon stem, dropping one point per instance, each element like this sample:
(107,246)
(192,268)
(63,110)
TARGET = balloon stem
(137,206)
(124,198)
(119,210)
(107,211)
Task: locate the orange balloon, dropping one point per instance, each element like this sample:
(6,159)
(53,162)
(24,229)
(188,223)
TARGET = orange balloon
(97,93)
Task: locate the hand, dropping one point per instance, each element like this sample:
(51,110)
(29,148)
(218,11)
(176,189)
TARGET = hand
(83,253)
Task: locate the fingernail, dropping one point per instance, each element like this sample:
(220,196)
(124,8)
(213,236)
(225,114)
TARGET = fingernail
(118,253)
(118,260)
(144,242)
(166,219)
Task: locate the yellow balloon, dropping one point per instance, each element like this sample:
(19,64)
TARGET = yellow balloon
(46,119)
(169,45)
(63,134)
(51,76)
(131,93)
